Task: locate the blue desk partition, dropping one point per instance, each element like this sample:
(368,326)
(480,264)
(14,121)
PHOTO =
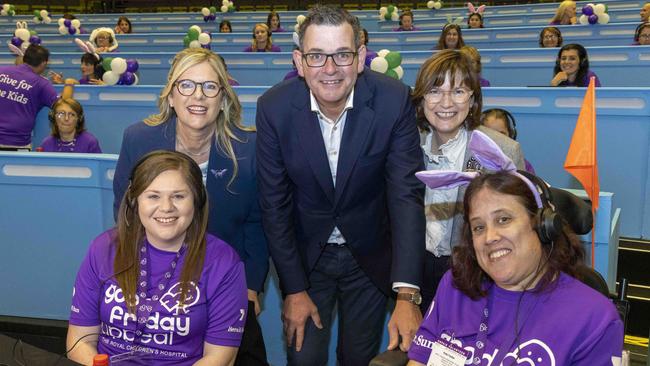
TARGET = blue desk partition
(613,34)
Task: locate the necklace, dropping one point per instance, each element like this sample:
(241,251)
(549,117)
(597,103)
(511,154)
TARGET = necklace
(66,145)
(200,153)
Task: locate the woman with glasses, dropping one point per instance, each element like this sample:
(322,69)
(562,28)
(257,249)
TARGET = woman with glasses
(200,116)
(642,35)
(550,37)
(448,102)
(68,130)
(104,40)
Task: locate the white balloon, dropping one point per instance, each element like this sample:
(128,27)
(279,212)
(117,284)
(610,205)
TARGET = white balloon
(43,13)
(47,20)
(599,9)
(379,64)
(205,12)
(224,8)
(437,5)
(603,18)
(137,79)
(204,38)
(195,44)
(583,19)
(382,53)
(75,23)
(61,20)
(6,7)
(230,3)
(430,4)
(110,77)
(225,2)
(198,29)
(63,30)
(3,12)
(300,19)
(118,65)
(399,71)
(394,16)
(35,19)
(22,33)
(383,10)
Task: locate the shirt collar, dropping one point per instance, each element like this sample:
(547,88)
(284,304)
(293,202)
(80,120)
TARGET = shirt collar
(316,108)
(431,143)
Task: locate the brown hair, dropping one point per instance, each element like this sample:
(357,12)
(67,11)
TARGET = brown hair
(331,15)
(269,41)
(130,231)
(474,55)
(123,18)
(442,41)
(434,71)
(76,107)
(564,255)
(553,30)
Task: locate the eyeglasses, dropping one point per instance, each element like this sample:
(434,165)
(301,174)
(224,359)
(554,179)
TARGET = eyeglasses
(62,115)
(550,36)
(316,59)
(458,95)
(187,88)
(646,36)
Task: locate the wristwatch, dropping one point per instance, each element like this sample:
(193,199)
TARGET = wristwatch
(414,298)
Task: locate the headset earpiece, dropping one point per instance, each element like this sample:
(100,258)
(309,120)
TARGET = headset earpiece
(549,223)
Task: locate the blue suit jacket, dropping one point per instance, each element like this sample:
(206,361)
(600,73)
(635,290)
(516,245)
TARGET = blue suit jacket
(377,202)
(234,211)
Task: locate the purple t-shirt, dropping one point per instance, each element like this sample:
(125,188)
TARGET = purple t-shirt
(483,82)
(22,94)
(370,55)
(585,81)
(571,324)
(85,142)
(173,335)
(274,48)
(400,29)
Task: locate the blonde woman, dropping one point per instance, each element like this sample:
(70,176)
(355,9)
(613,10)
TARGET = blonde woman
(262,41)
(565,14)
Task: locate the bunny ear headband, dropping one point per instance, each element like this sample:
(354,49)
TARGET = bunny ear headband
(21,25)
(473,10)
(450,20)
(17,51)
(87,47)
(488,153)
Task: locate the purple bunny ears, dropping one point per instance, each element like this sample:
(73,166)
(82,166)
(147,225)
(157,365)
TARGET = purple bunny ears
(474,10)
(491,158)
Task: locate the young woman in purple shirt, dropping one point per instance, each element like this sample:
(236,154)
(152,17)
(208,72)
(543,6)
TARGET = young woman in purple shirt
(572,67)
(262,41)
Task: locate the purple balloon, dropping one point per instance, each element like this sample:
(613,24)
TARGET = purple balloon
(71,30)
(132,65)
(34,40)
(16,41)
(206,18)
(67,23)
(593,19)
(213,17)
(128,78)
(587,10)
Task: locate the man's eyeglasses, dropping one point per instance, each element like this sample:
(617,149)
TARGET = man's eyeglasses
(458,95)
(317,59)
(62,115)
(187,88)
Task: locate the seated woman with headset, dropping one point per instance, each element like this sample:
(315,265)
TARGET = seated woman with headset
(69,133)
(503,122)
(572,67)
(511,296)
(262,41)
(406,22)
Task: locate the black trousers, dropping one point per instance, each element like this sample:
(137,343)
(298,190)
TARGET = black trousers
(251,351)
(434,269)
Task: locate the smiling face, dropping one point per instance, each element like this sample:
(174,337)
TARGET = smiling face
(330,84)
(475,21)
(506,245)
(550,39)
(166,209)
(446,117)
(124,26)
(451,39)
(570,61)
(196,112)
(261,35)
(87,70)
(645,12)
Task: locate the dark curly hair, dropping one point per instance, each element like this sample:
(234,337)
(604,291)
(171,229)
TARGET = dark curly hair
(566,253)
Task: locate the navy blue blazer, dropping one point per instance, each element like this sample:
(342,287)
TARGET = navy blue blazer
(377,202)
(234,211)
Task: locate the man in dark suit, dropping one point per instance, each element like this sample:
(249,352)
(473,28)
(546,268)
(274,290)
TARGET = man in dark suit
(337,150)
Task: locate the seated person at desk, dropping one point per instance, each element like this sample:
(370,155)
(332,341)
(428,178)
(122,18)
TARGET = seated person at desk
(262,41)
(572,67)
(475,19)
(550,37)
(123,26)
(565,13)
(450,38)
(273,22)
(69,133)
(642,35)
(503,122)
(370,55)
(104,40)
(511,296)
(225,26)
(159,290)
(91,70)
(406,22)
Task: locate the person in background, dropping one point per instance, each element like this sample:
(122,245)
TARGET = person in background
(370,55)
(200,115)
(262,41)
(475,56)
(68,126)
(475,21)
(572,67)
(273,22)
(645,13)
(159,276)
(123,26)
(91,71)
(565,13)
(550,37)
(406,22)
(510,276)
(450,38)
(503,122)
(104,40)
(24,92)
(642,34)
(225,26)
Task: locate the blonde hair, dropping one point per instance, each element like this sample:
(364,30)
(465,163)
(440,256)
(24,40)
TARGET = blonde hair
(229,117)
(269,42)
(561,10)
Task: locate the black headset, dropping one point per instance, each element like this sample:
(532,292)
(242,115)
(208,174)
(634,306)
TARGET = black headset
(510,120)
(639,28)
(549,223)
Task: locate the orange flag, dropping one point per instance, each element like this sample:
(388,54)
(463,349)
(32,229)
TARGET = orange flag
(581,160)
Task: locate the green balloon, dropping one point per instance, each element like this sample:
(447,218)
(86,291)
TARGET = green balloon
(387,16)
(213,10)
(12,7)
(390,9)
(37,13)
(32,32)
(186,41)
(106,64)
(231,8)
(193,34)
(392,73)
(12,12)
(606,8)
(394,59)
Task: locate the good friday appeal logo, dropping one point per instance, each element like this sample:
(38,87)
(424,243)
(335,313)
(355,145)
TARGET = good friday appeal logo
(167,320)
